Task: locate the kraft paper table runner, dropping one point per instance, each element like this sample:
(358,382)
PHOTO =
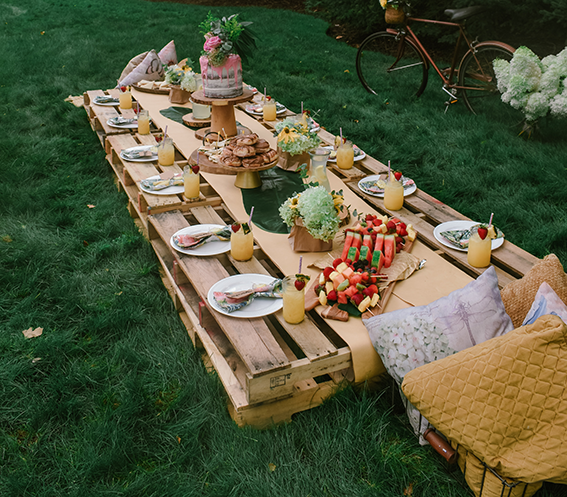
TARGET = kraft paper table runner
(437,279)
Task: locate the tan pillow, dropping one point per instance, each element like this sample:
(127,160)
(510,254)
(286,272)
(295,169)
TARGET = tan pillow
(168,54)
(519,295)
(136,61)
(150,69)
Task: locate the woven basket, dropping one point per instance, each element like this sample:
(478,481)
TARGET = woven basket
(395,16)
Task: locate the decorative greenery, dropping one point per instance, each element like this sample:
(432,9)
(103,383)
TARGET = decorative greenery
(318,209)
(295,137)
(535,87)
(181,75)
(226,36)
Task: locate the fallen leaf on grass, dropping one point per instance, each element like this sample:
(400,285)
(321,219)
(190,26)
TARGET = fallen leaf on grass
(178,440)
(7,239)
(91,206)
(272,466)
(36,359)
(31,333)
(409,490)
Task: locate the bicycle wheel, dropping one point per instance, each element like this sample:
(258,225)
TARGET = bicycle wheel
(386,62)
(476,74)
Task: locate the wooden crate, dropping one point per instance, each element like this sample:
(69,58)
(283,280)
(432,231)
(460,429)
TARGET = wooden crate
(130,174)
(269,369)
(98,116)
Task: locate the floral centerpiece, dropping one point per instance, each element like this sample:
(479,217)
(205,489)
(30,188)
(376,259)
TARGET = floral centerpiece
(394,10)
(182,75)
(535,87)
(294,141)
(314,218)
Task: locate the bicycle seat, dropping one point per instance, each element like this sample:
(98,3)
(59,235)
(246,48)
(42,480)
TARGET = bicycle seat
(461,14)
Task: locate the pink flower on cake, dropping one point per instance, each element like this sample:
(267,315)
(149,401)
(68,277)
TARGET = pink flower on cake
(212,43)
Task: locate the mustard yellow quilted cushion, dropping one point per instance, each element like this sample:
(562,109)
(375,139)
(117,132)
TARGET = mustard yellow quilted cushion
(504,400)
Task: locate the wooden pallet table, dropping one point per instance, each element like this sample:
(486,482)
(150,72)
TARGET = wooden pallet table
(270,369)
(99,115)
(130,174)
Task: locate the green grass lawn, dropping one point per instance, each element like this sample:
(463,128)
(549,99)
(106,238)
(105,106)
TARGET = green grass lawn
(112,399)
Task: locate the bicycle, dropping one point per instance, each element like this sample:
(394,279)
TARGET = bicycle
(396,55)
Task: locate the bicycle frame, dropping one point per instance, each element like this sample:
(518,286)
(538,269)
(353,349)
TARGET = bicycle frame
(447,81)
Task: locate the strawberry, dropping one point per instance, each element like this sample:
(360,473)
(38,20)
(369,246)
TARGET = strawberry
(399,239)
(332,295)
(391,225)
(403,225)
(482,232)
(300,285)
(365,276)
(235,227)
(369,217)
(403,232)
(398,228)
(327,271)
(195,168)
(336,262)
(348,262)
(357,298)
(123,89)
(397,175)
(158,138)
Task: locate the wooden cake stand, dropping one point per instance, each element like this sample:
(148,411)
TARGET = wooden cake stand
(246,178)
(222,113)
(196,123)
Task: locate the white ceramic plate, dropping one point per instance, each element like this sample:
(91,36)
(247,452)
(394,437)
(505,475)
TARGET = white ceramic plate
(109,104)
(459,225)
(214,247)
(358,154)
(141,159)
(170,190)
(253,109)
(133,125)
(259,306)
(407,190)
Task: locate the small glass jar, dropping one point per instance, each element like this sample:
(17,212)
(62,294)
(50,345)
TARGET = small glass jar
(269,110)
(125,99)
(166,152)
(345,155)
(293,301)
(191,183)
(143,122)
(479,251)
(394,194)
(242,242)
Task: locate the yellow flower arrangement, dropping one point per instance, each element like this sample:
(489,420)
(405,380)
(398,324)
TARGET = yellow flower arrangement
(286,135)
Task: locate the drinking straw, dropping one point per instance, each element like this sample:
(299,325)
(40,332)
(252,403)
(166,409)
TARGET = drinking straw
(250,218)
(300,261)
(490,222)
(165,133)
(301,108)
(265,94)
(389,173)
(223,134)
(198,156)
(341,134)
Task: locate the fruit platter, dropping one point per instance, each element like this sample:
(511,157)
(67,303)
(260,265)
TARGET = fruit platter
(355,283)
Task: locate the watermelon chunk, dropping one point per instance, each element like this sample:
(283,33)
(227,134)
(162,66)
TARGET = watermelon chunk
(379,245)
(342,298)
(357,241)
(389,249)
(377,260)
(365,253)
(353,254)
(348,242)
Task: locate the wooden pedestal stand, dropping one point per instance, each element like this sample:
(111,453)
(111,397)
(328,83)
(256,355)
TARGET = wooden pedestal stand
(222,114)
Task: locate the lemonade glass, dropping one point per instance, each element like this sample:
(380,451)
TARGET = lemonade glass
(269,110)
(125,99)
(345,155)
(479,251)
(191,183)
(318,171)
(143,122)
(166,152)
(293,301)
(241,242)
(394,194)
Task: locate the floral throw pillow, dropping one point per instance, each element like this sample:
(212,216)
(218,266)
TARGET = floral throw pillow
(408,338)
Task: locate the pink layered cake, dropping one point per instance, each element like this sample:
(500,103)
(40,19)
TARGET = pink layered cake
(223,81)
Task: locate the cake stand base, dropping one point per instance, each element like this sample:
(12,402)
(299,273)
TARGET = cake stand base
(247,180)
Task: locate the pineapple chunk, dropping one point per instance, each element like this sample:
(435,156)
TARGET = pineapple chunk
(329,287)
(375,299)
(323,297)
(341,267)
(491,232)
(384,228)
(333,275)
(364,304)
(412,234)
(322,279)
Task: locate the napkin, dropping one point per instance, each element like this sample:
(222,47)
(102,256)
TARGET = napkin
(120,121)
(460,238)
(195,240)
(139,153)
(160,184)
(233,301)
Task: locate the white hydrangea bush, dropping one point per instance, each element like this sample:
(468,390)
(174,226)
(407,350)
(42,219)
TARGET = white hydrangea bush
(535,87)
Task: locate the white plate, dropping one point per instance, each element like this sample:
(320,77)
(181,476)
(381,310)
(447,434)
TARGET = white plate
(459,225)
(110,104)
(259,306)
(141,159)
(361,155)
(133,125)
(376,177)
(252,109)
(215,247)
(170,190)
